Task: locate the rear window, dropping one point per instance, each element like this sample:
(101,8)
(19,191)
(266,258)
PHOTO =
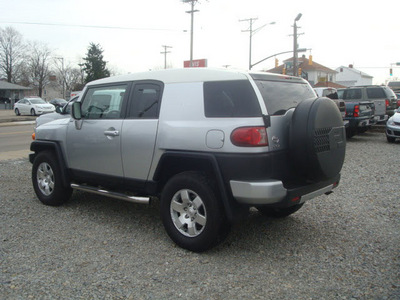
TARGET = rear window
(352,94)
(376,93)
(225,99)
(279,96)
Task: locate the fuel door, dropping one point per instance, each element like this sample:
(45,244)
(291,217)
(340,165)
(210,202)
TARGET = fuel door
(215,139)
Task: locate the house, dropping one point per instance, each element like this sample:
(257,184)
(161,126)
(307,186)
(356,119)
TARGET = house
(314,72)
(348,76)
(10,92)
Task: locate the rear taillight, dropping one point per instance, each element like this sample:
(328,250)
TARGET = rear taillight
(249,137)
(356,111)
(387,102)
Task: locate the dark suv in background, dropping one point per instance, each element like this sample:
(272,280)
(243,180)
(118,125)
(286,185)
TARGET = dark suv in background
(382,97)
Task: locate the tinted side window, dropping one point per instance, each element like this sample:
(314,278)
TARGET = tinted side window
(279,96)
(224,99)
(352,94)
(103,102)
(376,93)
(145,102)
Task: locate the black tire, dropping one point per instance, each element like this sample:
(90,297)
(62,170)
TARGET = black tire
(390,139)
(17,113)
(350,132)
(191,213)
(317,139)
(33,113)
(47,180)
(279,212)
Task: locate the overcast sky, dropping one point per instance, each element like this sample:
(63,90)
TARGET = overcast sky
(365,34)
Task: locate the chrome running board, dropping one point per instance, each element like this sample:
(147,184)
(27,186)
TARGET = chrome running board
(120,196)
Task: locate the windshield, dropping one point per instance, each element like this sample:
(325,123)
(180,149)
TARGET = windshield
(279,96)
(37,101)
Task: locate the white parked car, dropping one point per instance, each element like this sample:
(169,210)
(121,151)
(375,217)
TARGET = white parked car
(393,127)
(33,107)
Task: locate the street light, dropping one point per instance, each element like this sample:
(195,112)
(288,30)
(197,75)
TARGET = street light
(253,32)
(273,55)
(295,44)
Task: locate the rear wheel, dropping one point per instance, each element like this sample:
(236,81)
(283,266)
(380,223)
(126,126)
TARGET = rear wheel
(191,213)
(33,113)
(17,112)
(350,132)
(47,180)
(279,212)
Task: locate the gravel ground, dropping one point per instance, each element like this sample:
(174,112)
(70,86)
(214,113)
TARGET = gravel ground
(342,246)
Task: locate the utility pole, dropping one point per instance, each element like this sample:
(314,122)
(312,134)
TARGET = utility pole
(295,44)
(252,32)
(63,75)
(165,54)
(192,11)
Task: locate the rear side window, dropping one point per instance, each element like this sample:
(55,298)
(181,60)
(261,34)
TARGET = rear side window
(279,96)
(352,94)
(376,93)
(146,101)
(235,98)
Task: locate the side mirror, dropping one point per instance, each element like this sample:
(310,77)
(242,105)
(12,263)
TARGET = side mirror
(76,111)
(58,109)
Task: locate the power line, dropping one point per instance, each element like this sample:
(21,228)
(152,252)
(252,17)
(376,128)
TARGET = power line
(89,26)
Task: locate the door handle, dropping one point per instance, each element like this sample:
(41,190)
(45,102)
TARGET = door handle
(111,132)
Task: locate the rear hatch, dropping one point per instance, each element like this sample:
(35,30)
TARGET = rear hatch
(378,96)
(281,95)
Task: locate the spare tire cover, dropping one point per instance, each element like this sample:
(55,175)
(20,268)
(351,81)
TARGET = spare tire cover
(317,139)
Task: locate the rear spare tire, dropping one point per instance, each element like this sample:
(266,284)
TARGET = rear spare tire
(317,139)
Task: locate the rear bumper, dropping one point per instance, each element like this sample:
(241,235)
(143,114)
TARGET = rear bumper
(381,118)
(273,192)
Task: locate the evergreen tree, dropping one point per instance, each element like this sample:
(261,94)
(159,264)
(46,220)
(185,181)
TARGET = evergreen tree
(94,65)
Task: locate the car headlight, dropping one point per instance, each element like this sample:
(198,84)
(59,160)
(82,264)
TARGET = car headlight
(390,121)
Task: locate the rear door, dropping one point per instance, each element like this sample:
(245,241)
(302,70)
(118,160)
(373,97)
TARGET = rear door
(24,107)
(139,130)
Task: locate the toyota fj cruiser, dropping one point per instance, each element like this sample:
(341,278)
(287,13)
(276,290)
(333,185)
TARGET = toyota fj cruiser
(209,144)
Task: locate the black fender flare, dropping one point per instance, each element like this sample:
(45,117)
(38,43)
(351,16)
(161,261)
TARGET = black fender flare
(234,211)
(39,146)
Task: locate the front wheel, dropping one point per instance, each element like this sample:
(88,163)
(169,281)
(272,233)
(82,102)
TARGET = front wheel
(47,180)
(390,139)
(191,213)
(33,113)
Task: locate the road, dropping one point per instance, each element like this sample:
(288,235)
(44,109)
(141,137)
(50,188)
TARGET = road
(344,246)
(15,141)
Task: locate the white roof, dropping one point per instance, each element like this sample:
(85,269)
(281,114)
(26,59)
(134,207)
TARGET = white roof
(185,75)
(177,75)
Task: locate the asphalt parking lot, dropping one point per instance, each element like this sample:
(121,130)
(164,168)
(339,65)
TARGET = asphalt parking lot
(342,246)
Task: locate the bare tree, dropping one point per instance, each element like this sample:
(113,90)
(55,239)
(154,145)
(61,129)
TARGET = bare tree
(39,66)
(67,76)
(12,50)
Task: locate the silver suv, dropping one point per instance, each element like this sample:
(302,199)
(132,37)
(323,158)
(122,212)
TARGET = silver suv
(383,98)
(209,144)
